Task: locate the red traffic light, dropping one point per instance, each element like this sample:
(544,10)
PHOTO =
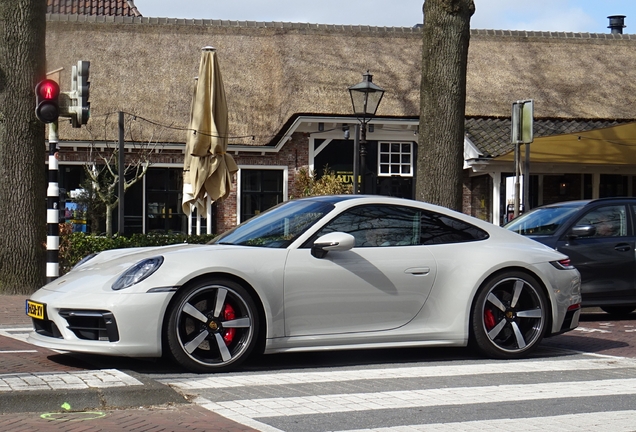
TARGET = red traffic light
(47,93)
(47,90)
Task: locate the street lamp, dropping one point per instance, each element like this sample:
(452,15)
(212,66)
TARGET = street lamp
(365,98)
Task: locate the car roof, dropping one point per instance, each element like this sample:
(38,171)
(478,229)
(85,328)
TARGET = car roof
(583,203)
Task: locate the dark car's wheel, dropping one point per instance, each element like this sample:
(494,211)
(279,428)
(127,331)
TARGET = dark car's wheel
(509,315)
(618,310)
(212,326)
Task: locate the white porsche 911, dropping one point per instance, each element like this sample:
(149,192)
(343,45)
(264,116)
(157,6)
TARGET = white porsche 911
(322,273)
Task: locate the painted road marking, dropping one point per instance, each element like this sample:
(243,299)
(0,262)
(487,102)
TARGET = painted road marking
(285,378)
(620,421)
(342,403)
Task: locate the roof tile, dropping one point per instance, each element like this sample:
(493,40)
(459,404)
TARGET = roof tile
(124,8)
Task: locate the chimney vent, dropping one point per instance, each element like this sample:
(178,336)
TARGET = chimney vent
(617,23)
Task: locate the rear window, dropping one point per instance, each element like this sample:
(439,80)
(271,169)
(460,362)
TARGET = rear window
(542,221)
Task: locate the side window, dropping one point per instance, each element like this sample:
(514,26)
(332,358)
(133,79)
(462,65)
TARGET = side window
(609,221)
(386,225)
(440,229)
(378,225)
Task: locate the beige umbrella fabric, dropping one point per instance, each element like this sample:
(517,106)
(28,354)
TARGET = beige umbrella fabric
(208,169)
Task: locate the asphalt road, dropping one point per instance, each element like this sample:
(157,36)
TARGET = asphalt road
(582,380)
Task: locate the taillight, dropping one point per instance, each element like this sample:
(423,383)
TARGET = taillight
(564,264)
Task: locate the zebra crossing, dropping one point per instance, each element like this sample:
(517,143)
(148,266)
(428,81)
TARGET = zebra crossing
(566,392)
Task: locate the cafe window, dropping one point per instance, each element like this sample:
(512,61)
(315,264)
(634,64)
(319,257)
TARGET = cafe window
(261,189)
(395,159)
(163,201)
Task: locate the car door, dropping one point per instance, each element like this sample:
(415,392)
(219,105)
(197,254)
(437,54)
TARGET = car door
(605,259)
(380,284)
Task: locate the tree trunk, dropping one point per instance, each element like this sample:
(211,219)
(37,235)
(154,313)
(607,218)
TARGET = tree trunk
(22,147)
(445,38)
(109,220)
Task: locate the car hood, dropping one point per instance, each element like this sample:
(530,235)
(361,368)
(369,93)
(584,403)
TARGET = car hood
(180,262)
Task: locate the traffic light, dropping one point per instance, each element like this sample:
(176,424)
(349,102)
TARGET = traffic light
(47,106)
(80,89)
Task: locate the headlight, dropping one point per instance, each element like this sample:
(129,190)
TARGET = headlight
(138,272)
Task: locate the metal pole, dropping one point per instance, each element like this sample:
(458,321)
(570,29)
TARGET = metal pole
(526,180)
(517,186)
(122,179)
(356,159)
(363,157)
(53,210)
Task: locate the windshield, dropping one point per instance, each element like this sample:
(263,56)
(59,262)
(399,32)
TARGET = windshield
(278,226)
(542,221)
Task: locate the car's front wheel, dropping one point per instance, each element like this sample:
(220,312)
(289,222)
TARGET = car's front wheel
(212,326)
(509,315)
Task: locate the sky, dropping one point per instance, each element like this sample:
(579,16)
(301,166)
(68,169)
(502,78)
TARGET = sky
(539,15)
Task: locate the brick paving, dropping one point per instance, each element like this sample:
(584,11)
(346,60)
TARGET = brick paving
(597,333)
(22,363)
(165,418)
(600,333)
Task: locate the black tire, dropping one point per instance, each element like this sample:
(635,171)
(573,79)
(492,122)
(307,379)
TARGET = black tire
(204,337)
(619,311)
(509,316)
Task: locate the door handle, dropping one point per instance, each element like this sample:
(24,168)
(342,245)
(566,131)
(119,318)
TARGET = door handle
(418,271)
(622,247)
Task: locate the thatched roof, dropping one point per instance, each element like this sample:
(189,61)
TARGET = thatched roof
(273,71)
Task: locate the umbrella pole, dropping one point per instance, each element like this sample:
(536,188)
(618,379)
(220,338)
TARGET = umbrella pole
(208,209)
(190,221)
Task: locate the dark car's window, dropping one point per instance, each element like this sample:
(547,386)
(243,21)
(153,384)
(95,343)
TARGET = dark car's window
(386,225)
(608,221)
(542,221)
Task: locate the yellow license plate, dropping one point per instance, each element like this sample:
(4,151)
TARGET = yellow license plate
(35,310)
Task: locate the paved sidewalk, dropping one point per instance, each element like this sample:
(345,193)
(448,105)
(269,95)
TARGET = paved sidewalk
(42,390)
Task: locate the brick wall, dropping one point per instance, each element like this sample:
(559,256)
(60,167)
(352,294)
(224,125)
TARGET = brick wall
(477,196)
(294,154)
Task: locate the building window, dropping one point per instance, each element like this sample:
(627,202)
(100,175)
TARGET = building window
(395,159)
(163,201)
(260,190)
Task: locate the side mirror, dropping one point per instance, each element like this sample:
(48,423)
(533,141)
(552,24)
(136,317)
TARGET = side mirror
(336,241)
(582,231)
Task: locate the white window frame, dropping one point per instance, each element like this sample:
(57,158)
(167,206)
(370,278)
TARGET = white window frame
(390,164)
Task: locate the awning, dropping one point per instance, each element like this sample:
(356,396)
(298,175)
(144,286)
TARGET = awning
(614,145)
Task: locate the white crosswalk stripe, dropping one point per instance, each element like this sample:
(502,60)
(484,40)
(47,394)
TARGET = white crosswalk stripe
(621,421)
(396,373)
(566,393)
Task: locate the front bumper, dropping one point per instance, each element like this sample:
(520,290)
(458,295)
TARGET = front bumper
(111,323)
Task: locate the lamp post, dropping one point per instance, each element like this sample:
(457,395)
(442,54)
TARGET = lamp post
(365,98)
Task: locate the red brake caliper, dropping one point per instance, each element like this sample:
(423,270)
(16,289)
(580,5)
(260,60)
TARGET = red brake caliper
(489,319)
(228,314)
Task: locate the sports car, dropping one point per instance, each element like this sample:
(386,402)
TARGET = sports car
(320,273)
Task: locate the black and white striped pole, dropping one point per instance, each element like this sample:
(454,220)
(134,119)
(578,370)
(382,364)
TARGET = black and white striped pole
(52,209)
(47,110)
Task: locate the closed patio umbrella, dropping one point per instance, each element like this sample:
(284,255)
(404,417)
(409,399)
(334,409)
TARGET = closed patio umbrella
(208,169)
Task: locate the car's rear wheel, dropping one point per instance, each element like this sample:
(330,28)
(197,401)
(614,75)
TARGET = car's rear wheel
(509,315)
(618,310)
(212,326)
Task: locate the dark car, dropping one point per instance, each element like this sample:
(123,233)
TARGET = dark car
(599,237)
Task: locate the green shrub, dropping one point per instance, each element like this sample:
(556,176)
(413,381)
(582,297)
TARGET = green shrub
(76,245)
